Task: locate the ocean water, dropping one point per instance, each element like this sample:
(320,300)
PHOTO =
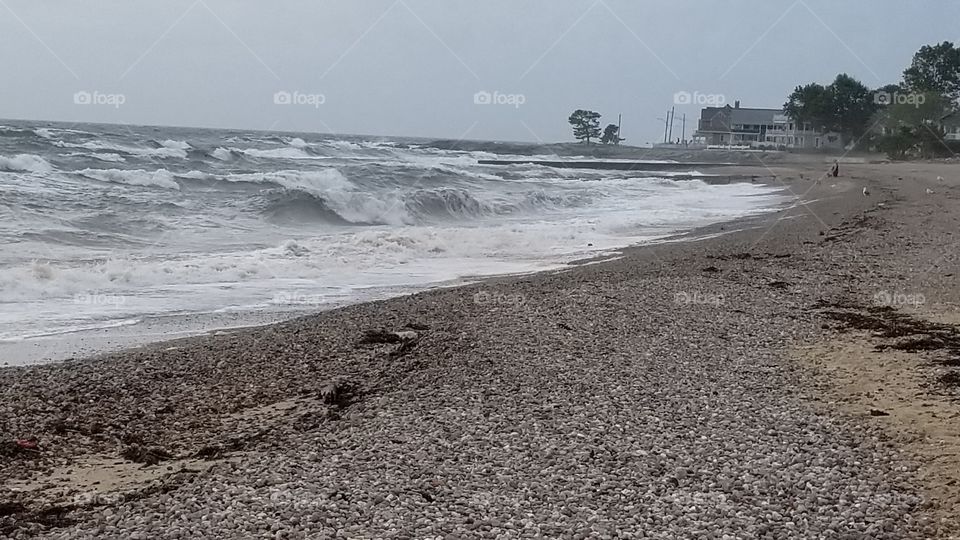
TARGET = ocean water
(102,226)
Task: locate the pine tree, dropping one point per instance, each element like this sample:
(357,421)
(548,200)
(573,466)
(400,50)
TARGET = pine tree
(586,125)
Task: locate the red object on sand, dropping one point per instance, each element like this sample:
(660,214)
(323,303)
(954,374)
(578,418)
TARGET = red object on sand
(28,444)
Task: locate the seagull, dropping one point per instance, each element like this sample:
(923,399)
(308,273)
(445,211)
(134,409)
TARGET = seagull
(866,192)
(929,191)
(940,179)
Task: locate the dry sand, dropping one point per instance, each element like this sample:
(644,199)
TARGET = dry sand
(718,388)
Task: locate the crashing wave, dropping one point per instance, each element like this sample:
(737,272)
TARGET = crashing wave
(25,163)
(166,149)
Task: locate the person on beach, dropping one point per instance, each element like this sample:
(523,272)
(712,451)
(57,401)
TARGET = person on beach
(836,169)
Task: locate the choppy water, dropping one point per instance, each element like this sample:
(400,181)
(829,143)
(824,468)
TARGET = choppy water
(102,225)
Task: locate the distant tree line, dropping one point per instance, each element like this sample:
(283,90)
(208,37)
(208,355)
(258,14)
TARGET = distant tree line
(586,126)
(904,120)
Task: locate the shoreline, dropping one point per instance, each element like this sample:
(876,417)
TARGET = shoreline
(149,330)
(598,398)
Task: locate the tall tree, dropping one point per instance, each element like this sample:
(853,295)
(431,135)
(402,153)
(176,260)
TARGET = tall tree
(844,106)
(935,68)
(586,125)
(811,104)
(853,105)
(611,134)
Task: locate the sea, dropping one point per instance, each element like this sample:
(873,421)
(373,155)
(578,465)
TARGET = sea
(111,226)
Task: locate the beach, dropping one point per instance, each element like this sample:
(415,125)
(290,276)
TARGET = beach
(785,375)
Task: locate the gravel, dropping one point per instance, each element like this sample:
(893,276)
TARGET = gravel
(645,397)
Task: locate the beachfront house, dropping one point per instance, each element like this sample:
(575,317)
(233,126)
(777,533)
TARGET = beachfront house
(951,126)
(759,128)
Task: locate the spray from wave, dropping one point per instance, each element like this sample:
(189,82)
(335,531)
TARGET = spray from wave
(24,163)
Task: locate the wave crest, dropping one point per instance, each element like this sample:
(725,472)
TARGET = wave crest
(133,177)
(25,163)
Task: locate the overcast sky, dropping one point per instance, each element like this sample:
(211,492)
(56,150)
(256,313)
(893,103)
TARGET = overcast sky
(413,67)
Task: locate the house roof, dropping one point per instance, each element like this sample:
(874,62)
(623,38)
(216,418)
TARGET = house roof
(755,116)
(741,115)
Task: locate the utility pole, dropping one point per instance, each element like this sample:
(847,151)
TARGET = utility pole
(673,114)
(666,123)
(619,125)
(684,139)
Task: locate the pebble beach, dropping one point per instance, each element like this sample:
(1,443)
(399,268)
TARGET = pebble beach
(669,392)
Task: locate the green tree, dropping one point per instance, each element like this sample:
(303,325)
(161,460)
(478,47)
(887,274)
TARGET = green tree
(912,110)
(845,106)
(853,107)
(811,104)
(935,68)
(586,125)
(898,144)
(611,134)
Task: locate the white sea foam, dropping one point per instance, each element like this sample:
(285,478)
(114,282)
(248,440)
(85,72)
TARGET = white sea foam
(25,163)
(291,152)
(168,149)
(297,142)
(222,154)
(109,157)
(133,177)
(50,133)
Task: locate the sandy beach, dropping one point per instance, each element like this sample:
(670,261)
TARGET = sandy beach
(793,375)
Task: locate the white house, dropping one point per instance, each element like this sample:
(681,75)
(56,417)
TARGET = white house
(741,126)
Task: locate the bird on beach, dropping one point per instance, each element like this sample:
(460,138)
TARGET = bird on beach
(940,179)
(866,192)
(929,191)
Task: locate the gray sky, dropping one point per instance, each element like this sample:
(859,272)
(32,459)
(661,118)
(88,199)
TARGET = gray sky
(413,67)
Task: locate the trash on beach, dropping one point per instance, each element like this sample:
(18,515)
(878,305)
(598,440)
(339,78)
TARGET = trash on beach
(18,448)
(30,445)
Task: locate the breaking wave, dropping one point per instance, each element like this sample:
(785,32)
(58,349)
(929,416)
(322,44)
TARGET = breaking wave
(133,177)
(25,163)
